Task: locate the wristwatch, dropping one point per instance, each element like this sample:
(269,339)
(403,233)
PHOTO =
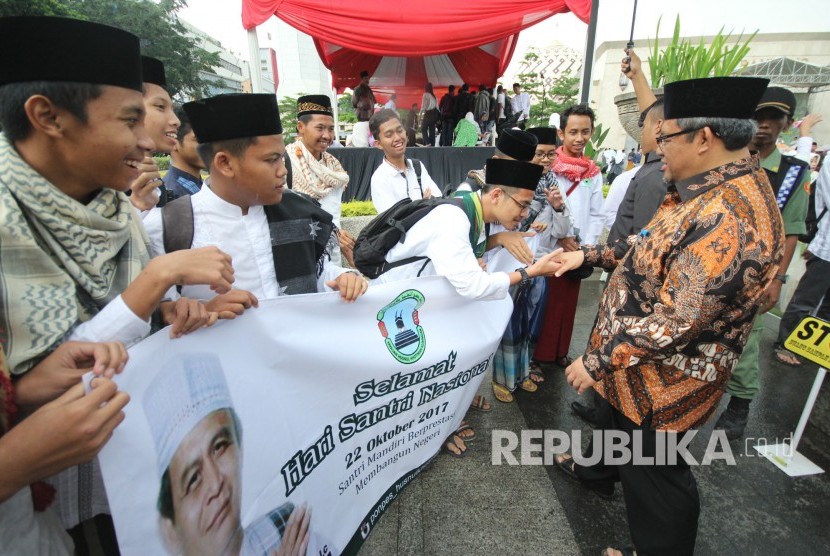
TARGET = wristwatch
(525,276)
(782,278)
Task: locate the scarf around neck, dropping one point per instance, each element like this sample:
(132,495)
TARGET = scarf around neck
(573,168)
(315,178)
(60,261)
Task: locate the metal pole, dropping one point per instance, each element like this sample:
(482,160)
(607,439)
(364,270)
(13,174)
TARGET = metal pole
(808,408)
(253,65)
(588,64)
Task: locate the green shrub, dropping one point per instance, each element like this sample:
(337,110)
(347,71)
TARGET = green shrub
(358,208)
(163,162)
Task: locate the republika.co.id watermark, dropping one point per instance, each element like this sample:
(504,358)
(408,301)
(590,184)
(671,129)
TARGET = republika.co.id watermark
(613,447)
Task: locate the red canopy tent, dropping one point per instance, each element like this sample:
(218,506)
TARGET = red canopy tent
(406,44)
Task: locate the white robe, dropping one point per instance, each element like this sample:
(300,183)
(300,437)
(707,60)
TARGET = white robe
(245,238)
(443,236)
(586,207)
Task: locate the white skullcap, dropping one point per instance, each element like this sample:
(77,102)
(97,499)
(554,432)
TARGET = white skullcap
(189,388)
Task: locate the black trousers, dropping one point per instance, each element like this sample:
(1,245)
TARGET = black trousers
(661,501)
(814,285)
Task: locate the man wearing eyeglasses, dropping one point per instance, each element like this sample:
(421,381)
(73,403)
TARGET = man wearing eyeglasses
(679,306)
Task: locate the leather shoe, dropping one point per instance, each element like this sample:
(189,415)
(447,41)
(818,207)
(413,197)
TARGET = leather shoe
(586,412)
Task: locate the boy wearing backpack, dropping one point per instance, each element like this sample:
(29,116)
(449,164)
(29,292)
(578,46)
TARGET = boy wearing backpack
(397,177)
(790,180)
(280,241)
(449,239)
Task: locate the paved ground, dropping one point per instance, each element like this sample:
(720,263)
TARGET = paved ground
(464,506)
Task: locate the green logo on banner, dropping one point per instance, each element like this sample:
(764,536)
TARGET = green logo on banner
(401,330)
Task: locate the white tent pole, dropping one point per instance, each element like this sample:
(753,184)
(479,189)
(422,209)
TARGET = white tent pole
(253,53)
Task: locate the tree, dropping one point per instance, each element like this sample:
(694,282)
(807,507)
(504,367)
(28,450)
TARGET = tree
(162,35)
(548,96)
(37,7)
(288,118)
(345,110)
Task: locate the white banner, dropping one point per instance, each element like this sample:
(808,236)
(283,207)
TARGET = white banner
(304,401)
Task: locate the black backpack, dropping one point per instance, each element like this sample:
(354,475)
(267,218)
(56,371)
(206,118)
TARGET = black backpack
(508,108)
(388,229)
(812,220)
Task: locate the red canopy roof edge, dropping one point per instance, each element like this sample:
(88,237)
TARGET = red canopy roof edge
(422,28)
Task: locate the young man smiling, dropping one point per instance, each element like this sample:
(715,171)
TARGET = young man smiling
(162,125)
(280,240)
(580,180)
(73,257)
(397,177)
(313,170)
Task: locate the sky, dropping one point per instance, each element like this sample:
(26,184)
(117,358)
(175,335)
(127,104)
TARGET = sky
(222,19)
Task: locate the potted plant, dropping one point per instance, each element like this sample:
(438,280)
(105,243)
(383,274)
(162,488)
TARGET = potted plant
(681,59)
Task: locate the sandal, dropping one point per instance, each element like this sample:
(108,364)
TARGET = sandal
(786,357)
(528,385)
(456,442)
(465,427)
(536,374)
(564,361)
(566,463)
(502,394)
(627,551)
(480,403)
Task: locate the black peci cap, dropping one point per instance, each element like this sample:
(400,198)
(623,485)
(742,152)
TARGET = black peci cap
(544,135)
(513,173)
(517,144)
(714,97)
(152,71)
(68,50)
(234,116)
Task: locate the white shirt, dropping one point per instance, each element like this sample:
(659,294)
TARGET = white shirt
(820,246)
(616,193)
(443,237)
(389,185)
(25,531)
(500,101)
(585,204)
(521,103)
(245,238)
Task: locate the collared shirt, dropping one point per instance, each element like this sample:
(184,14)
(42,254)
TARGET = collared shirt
(820,246)
(390,185)
(180,183)
(679,306)
(246,238)
(644,196)
(585,205)
(521,104)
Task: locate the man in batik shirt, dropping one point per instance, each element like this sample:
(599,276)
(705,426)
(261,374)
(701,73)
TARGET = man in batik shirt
(679,305)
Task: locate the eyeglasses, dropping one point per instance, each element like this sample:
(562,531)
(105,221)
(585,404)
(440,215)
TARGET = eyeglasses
(525,206)
(661,139)
(549,155)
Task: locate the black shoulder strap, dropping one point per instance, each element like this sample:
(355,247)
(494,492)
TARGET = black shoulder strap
(177,224)
(288,182)
(417,168)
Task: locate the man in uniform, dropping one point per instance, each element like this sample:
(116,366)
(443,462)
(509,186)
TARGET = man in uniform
(790,179)
(679,306)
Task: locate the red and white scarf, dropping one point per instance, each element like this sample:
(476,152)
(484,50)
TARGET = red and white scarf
(573,168)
